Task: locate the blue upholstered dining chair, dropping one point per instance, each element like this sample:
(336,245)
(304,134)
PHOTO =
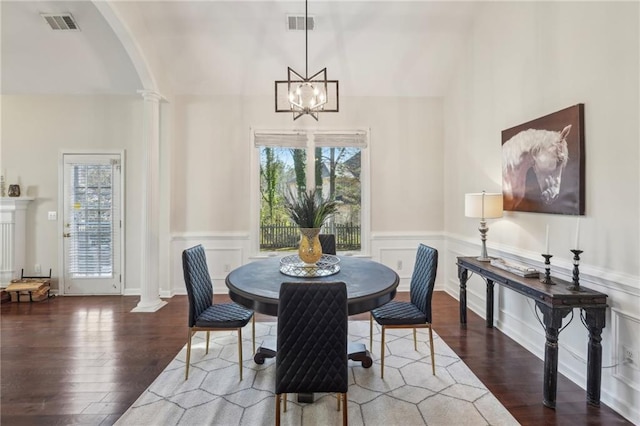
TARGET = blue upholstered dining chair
(204,315)
(413,314)
(312,341)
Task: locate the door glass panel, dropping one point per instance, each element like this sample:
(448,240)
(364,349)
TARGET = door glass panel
(90,251)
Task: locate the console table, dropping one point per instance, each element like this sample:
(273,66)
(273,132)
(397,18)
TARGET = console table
(555,302)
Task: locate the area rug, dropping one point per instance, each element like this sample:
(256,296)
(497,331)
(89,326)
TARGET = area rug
(408,395)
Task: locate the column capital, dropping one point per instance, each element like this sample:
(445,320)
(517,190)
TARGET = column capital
(151,95)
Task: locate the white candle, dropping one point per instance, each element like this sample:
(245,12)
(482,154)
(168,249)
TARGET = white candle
(546,245)
(577,244)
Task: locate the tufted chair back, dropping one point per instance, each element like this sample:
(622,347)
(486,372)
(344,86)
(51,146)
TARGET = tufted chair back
(328,243)
(312,338)
(424,279)
(197,280)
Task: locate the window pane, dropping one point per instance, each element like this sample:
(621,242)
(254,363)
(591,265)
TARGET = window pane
(338,177)
(281,170)
(336,173)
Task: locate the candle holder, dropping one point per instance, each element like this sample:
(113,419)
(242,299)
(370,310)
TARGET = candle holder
(547,270)
(576,270)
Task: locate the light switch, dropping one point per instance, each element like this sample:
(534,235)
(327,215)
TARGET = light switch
(53,216)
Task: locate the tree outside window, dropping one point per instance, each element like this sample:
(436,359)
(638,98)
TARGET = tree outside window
(336,174)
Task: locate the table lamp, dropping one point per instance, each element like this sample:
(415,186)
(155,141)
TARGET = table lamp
(483,205)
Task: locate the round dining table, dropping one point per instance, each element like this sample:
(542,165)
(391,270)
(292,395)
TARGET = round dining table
(370,284)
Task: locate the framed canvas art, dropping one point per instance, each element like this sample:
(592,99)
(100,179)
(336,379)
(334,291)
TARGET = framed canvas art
(543,164)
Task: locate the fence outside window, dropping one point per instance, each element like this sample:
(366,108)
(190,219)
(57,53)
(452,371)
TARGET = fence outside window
(285,236)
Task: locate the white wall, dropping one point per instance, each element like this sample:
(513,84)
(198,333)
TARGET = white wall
(34,131)
(525,60)
(206,149)
(211,169)
(212,147)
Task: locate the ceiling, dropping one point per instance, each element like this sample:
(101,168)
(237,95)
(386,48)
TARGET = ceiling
(374,48)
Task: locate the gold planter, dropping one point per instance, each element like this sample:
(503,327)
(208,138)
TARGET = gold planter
(310,250)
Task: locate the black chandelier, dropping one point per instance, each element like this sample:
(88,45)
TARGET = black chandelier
(306,95)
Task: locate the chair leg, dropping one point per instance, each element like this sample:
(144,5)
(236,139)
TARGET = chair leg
(206,352)
(345,419)
(415,340)
(277,409)
(370,332)
(186,374)
(382,354)
(240,350)
(284,397)
(253,332)
(433,358)
(338,399)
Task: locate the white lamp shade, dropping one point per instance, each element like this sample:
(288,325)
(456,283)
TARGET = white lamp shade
(486,205)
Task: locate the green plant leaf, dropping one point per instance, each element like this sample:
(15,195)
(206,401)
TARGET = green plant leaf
(308,209)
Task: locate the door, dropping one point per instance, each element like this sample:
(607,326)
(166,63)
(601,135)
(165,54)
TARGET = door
(92,226)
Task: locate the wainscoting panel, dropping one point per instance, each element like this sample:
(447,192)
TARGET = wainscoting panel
(626,371)
(225,252)
(398,252)
(476,293)
(626,329)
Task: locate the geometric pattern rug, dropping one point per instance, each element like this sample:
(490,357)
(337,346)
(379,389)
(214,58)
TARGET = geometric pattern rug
(409,394)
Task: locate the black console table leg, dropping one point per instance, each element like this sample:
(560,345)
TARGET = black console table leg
(552,322)
(463,276)
(489,303)
(595,322)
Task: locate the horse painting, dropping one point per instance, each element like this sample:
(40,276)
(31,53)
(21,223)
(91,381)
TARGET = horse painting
(544,152)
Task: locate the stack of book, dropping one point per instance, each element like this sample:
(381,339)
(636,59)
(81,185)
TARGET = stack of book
(515,268)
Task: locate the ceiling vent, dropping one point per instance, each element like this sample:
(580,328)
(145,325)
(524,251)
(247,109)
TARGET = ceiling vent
(61,21)
(295,22)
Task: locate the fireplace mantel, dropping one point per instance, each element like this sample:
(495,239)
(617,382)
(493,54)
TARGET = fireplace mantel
(13,230)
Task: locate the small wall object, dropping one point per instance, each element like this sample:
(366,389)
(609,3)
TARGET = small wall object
(14,190)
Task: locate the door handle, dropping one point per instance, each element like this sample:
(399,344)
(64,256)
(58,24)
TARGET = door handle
(66,235)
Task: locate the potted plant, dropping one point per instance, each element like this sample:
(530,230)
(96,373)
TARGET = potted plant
(309,211)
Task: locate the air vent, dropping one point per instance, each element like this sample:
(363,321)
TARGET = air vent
(61,22)
(296,22)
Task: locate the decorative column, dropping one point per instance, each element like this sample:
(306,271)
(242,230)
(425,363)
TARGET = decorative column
(150,260)
(13,230)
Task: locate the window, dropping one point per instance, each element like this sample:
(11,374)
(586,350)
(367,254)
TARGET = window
(334,163)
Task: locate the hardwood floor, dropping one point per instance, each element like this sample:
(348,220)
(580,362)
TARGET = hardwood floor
(85,360)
